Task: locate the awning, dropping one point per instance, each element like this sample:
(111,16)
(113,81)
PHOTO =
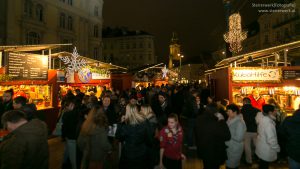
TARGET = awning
(258,54)
(31,48)
(90,62)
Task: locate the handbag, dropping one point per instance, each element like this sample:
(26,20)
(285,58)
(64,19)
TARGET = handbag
(58,127)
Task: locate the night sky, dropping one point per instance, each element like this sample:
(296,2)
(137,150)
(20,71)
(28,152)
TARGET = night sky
(200,24)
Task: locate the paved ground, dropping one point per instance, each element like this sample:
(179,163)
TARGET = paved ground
(56,148)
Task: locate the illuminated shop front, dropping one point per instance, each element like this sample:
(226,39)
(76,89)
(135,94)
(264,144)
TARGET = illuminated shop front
(262,71)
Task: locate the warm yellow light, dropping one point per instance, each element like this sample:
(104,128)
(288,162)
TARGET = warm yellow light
(44,60)
(235,35)
(289,88)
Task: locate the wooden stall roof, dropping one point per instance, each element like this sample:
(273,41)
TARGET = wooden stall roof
(258,54)
(31,48)
(91,62)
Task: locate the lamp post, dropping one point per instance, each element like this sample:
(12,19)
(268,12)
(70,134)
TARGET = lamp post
(180,56)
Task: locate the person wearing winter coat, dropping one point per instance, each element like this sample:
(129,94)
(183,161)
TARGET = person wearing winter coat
(249,113)
(93,140)
(267,145)
(290,131)
(235,145)
(153,151)
(211,135)
(135,135)
(26,146)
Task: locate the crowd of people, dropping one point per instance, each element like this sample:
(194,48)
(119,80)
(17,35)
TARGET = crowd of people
(148,127)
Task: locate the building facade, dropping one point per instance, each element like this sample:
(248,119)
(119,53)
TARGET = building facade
(126,48)
(53,21)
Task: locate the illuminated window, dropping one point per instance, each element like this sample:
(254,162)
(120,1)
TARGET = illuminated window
(33,38)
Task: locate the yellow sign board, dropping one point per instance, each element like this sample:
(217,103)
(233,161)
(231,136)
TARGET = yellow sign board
(256,74)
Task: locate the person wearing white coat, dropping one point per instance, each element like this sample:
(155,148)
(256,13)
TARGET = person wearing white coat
(267,145)
(237,129)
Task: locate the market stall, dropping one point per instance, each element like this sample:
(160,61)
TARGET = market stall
(153,74)
(237,77)
(27,70)
(79,72)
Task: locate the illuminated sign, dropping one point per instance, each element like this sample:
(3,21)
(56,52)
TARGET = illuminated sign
(256,75)
(98,76)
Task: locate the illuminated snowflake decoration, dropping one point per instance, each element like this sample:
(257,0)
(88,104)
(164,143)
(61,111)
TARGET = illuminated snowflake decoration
(164,72)
(74,63)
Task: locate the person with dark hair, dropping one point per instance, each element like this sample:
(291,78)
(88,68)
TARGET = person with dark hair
(20,103)
(267,145)
(237,129)
(7,102)
(171,139)
(133,99)
(26,146)
(162,109)
(249,113)
(110,112)
(290,131)
(70,122)
(79,94)
(190,113)
(211,135)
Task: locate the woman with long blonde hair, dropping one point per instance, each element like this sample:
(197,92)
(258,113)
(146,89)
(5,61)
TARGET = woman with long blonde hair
(133,116)
(135,135)
(93,139)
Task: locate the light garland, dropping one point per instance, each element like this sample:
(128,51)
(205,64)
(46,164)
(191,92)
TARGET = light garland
(235,35)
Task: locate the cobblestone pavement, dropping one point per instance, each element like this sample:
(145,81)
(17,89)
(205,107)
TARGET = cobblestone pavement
(56,148)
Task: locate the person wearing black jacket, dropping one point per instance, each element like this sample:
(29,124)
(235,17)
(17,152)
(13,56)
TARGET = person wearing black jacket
(136,136)
(211,135)
(190,112)
(249,113)
(70,120)
(290,130)
(162,109)
(7,103)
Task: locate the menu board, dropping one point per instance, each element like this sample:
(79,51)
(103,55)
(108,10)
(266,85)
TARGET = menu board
(291,74)
(28,66)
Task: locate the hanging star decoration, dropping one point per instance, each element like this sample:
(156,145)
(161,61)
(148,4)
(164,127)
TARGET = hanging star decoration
(74,63)
(235,35)
(164,72)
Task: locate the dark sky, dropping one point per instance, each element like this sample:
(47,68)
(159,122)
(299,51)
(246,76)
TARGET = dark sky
(198,23)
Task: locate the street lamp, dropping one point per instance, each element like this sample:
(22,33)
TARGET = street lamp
(180,56)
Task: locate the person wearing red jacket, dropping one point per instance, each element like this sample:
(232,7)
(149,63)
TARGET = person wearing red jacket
(171,138)
(256,100)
